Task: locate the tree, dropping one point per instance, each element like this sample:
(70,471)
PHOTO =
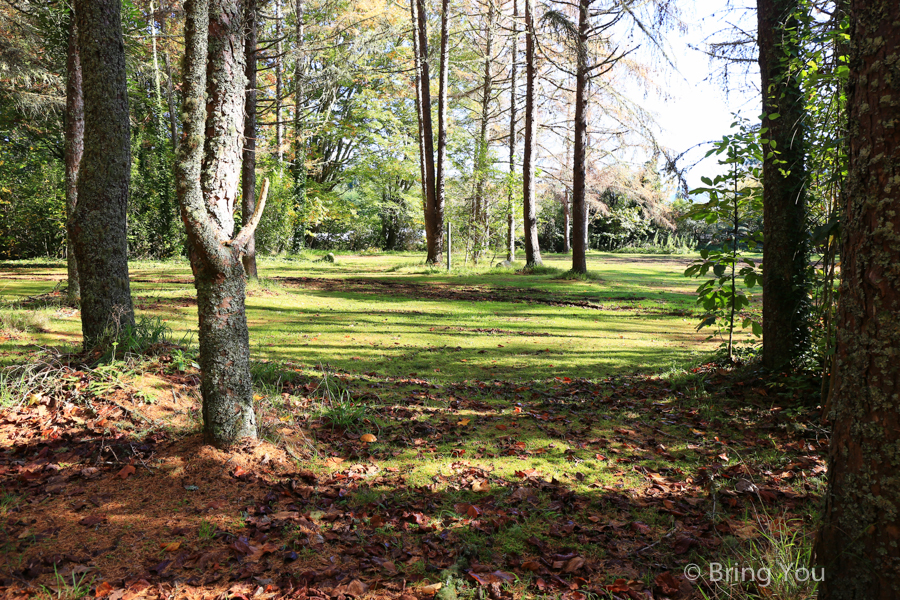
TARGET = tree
(482,163)
(423,110)
(99,234)
(74,136)
(248,164)
(529,208)
(208,167)
(857,544)
(785,251)
(513,90)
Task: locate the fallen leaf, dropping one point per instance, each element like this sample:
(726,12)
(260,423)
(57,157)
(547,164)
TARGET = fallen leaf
(103,589)
(126,471)
(431,590)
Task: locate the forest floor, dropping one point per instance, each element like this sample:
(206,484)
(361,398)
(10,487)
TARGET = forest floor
(477,434)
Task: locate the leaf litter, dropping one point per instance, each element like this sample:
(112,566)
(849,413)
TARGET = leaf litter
(567,487)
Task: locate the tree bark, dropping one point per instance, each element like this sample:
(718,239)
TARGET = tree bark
(529,209)
(73,150)
(785,251)
(298,169)
(579,205)
(436,247)
(208,168)
(248,164)
(170,93)
(857,545)
(480,221)
(513,85)
(101,246)
(279,128)
(420,117)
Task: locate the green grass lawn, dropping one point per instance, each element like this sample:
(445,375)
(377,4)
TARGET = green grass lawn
(392,315)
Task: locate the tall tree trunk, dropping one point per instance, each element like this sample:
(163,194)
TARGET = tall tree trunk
(436,247)
(785,252)
(74,150)
(857,544)
(170,93)
(513,88)
(101,245)
(208,169)
(298,169)
(420,117)
(480,216)
(279,127)
(529,209)
(248,165)
(579,205)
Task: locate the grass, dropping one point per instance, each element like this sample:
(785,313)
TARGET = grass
(520,414)
(396,316)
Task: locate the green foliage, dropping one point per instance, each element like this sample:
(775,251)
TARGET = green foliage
(734,197)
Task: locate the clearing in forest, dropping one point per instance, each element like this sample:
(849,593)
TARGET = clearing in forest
(478,433)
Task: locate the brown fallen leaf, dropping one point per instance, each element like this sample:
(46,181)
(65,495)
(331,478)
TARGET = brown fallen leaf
(126,471)
(103,589)
(91,520)
(170,547)
(357,588)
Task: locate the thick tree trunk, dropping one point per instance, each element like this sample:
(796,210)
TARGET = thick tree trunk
(101,246)
(74,150)
(579,205)
(785,252)
(529,209)
(513,89)
(248,165)
(436,247)
(208,169)
(857,545)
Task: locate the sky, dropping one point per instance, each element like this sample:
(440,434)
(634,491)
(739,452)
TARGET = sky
(698,108)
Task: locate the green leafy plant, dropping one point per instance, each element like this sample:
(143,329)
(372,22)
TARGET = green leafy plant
(735,197)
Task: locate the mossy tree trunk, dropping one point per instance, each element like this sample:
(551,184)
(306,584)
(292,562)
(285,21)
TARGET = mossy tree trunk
(529,208)
(785,252)
(208,168)
(248,165)
(98,231)
(74,151)
(858,542)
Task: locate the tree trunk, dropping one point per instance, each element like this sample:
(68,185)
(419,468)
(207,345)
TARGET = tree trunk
(170,94)
(785,252)
(857,544)
(579,205)
(436,247)
(248,165)
(482,164)
(74,150)
(208,169)
(510,212)
(529,209)
(279,128)
(298,169)
(101,245)
(418,80)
